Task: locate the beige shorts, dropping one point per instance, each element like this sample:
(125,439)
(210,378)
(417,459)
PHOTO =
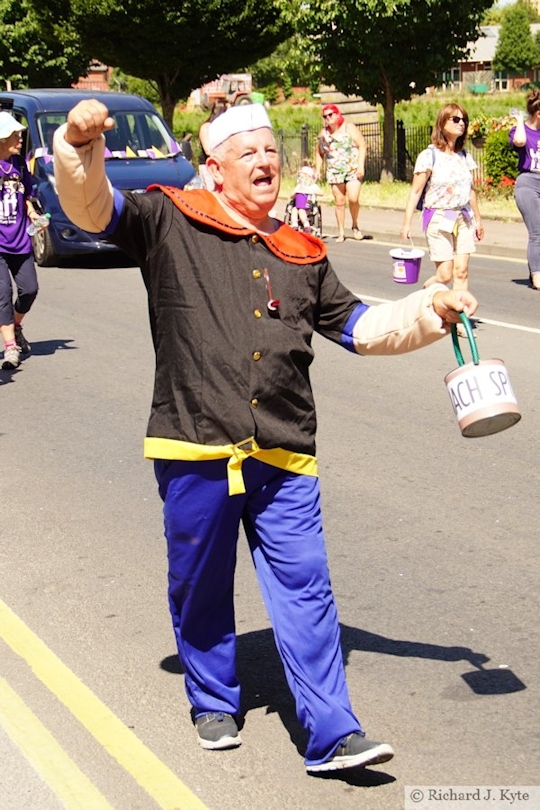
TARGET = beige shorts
(444,245)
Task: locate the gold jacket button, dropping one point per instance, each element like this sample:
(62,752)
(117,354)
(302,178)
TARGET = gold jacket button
(257,274)
(257,313)
(254,403)
(256,355)
(254,238)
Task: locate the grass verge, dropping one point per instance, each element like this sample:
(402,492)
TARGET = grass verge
(394,196)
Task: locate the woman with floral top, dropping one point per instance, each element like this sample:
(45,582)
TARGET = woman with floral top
(344,148)
(450,215)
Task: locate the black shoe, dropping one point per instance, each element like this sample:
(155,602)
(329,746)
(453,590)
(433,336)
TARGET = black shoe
(355,751)
(21,341)
(217,731)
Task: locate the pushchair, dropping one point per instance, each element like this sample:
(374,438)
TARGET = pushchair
(314,215)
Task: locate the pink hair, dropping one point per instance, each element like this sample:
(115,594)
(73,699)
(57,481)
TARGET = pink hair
(336,110)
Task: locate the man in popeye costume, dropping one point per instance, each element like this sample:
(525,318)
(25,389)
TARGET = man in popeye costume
(234,297)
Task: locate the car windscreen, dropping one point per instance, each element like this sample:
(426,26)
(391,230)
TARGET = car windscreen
(136,134)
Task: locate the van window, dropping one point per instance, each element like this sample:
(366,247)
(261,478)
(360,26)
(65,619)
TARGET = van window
(47,125)
(27,146)
(139,134)
(136,134)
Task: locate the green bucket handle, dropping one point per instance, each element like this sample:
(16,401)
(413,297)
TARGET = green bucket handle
(472,342)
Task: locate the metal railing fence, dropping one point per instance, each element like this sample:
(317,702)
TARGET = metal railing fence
(298,147)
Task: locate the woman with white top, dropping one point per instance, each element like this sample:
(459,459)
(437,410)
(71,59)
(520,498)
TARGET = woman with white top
(450,216)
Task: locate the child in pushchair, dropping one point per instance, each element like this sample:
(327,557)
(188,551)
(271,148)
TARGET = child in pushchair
(303,212)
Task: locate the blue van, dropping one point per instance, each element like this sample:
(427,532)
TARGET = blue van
(140,150)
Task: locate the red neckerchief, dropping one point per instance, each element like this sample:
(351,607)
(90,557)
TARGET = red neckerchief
(285,243)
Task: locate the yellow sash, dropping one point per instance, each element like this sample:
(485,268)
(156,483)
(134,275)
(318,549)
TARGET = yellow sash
(175,450)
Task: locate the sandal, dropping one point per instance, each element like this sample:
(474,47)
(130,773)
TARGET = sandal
(340,238)
(359,236)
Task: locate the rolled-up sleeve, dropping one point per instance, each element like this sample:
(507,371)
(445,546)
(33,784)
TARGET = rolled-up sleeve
(397,327)
(85,193)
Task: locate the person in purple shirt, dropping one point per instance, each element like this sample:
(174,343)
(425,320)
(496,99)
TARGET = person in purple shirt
(16,257)
(525,138)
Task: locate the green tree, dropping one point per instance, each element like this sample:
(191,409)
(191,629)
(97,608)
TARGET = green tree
(386,50)
(177,46)
(290,64)
(30,57)
(501,160)
(516,51)
(124,83)
(495,15)
(532,12)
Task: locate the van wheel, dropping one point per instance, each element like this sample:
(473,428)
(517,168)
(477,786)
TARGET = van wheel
(242,100)
(43,249)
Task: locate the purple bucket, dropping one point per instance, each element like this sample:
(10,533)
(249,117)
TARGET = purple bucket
(406,266)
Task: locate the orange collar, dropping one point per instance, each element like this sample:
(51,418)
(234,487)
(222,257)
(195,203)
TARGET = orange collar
(285,243)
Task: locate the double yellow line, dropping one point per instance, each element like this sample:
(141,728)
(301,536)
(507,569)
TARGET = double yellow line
(53,764)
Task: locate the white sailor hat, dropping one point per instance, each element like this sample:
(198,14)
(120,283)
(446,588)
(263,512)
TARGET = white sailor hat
(243,118)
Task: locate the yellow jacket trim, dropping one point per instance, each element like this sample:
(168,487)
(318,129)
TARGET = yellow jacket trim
(175,450)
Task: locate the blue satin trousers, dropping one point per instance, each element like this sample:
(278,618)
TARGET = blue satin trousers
(281,515)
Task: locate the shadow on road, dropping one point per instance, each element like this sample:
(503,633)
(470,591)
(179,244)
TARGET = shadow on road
(42,348)
(39,349)
(264,685)
(482,681)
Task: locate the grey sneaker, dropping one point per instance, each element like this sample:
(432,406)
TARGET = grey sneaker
(216,731)
(12,357)
(354,751)
(20,340)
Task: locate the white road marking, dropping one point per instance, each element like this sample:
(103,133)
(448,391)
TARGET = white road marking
(504,324)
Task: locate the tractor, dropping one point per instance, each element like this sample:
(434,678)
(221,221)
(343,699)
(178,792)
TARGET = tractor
(232,88)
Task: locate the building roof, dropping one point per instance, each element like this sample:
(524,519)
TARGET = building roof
(483,50)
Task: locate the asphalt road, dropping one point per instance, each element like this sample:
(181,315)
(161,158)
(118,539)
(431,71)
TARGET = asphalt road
(432,541)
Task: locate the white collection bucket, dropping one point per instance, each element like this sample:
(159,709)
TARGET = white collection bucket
(480,392)
(406,265)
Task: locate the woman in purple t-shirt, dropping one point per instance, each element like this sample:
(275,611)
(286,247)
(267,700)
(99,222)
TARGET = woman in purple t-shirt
(525,138)
(16,257)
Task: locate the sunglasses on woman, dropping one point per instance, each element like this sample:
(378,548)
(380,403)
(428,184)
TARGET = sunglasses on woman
(456,119)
